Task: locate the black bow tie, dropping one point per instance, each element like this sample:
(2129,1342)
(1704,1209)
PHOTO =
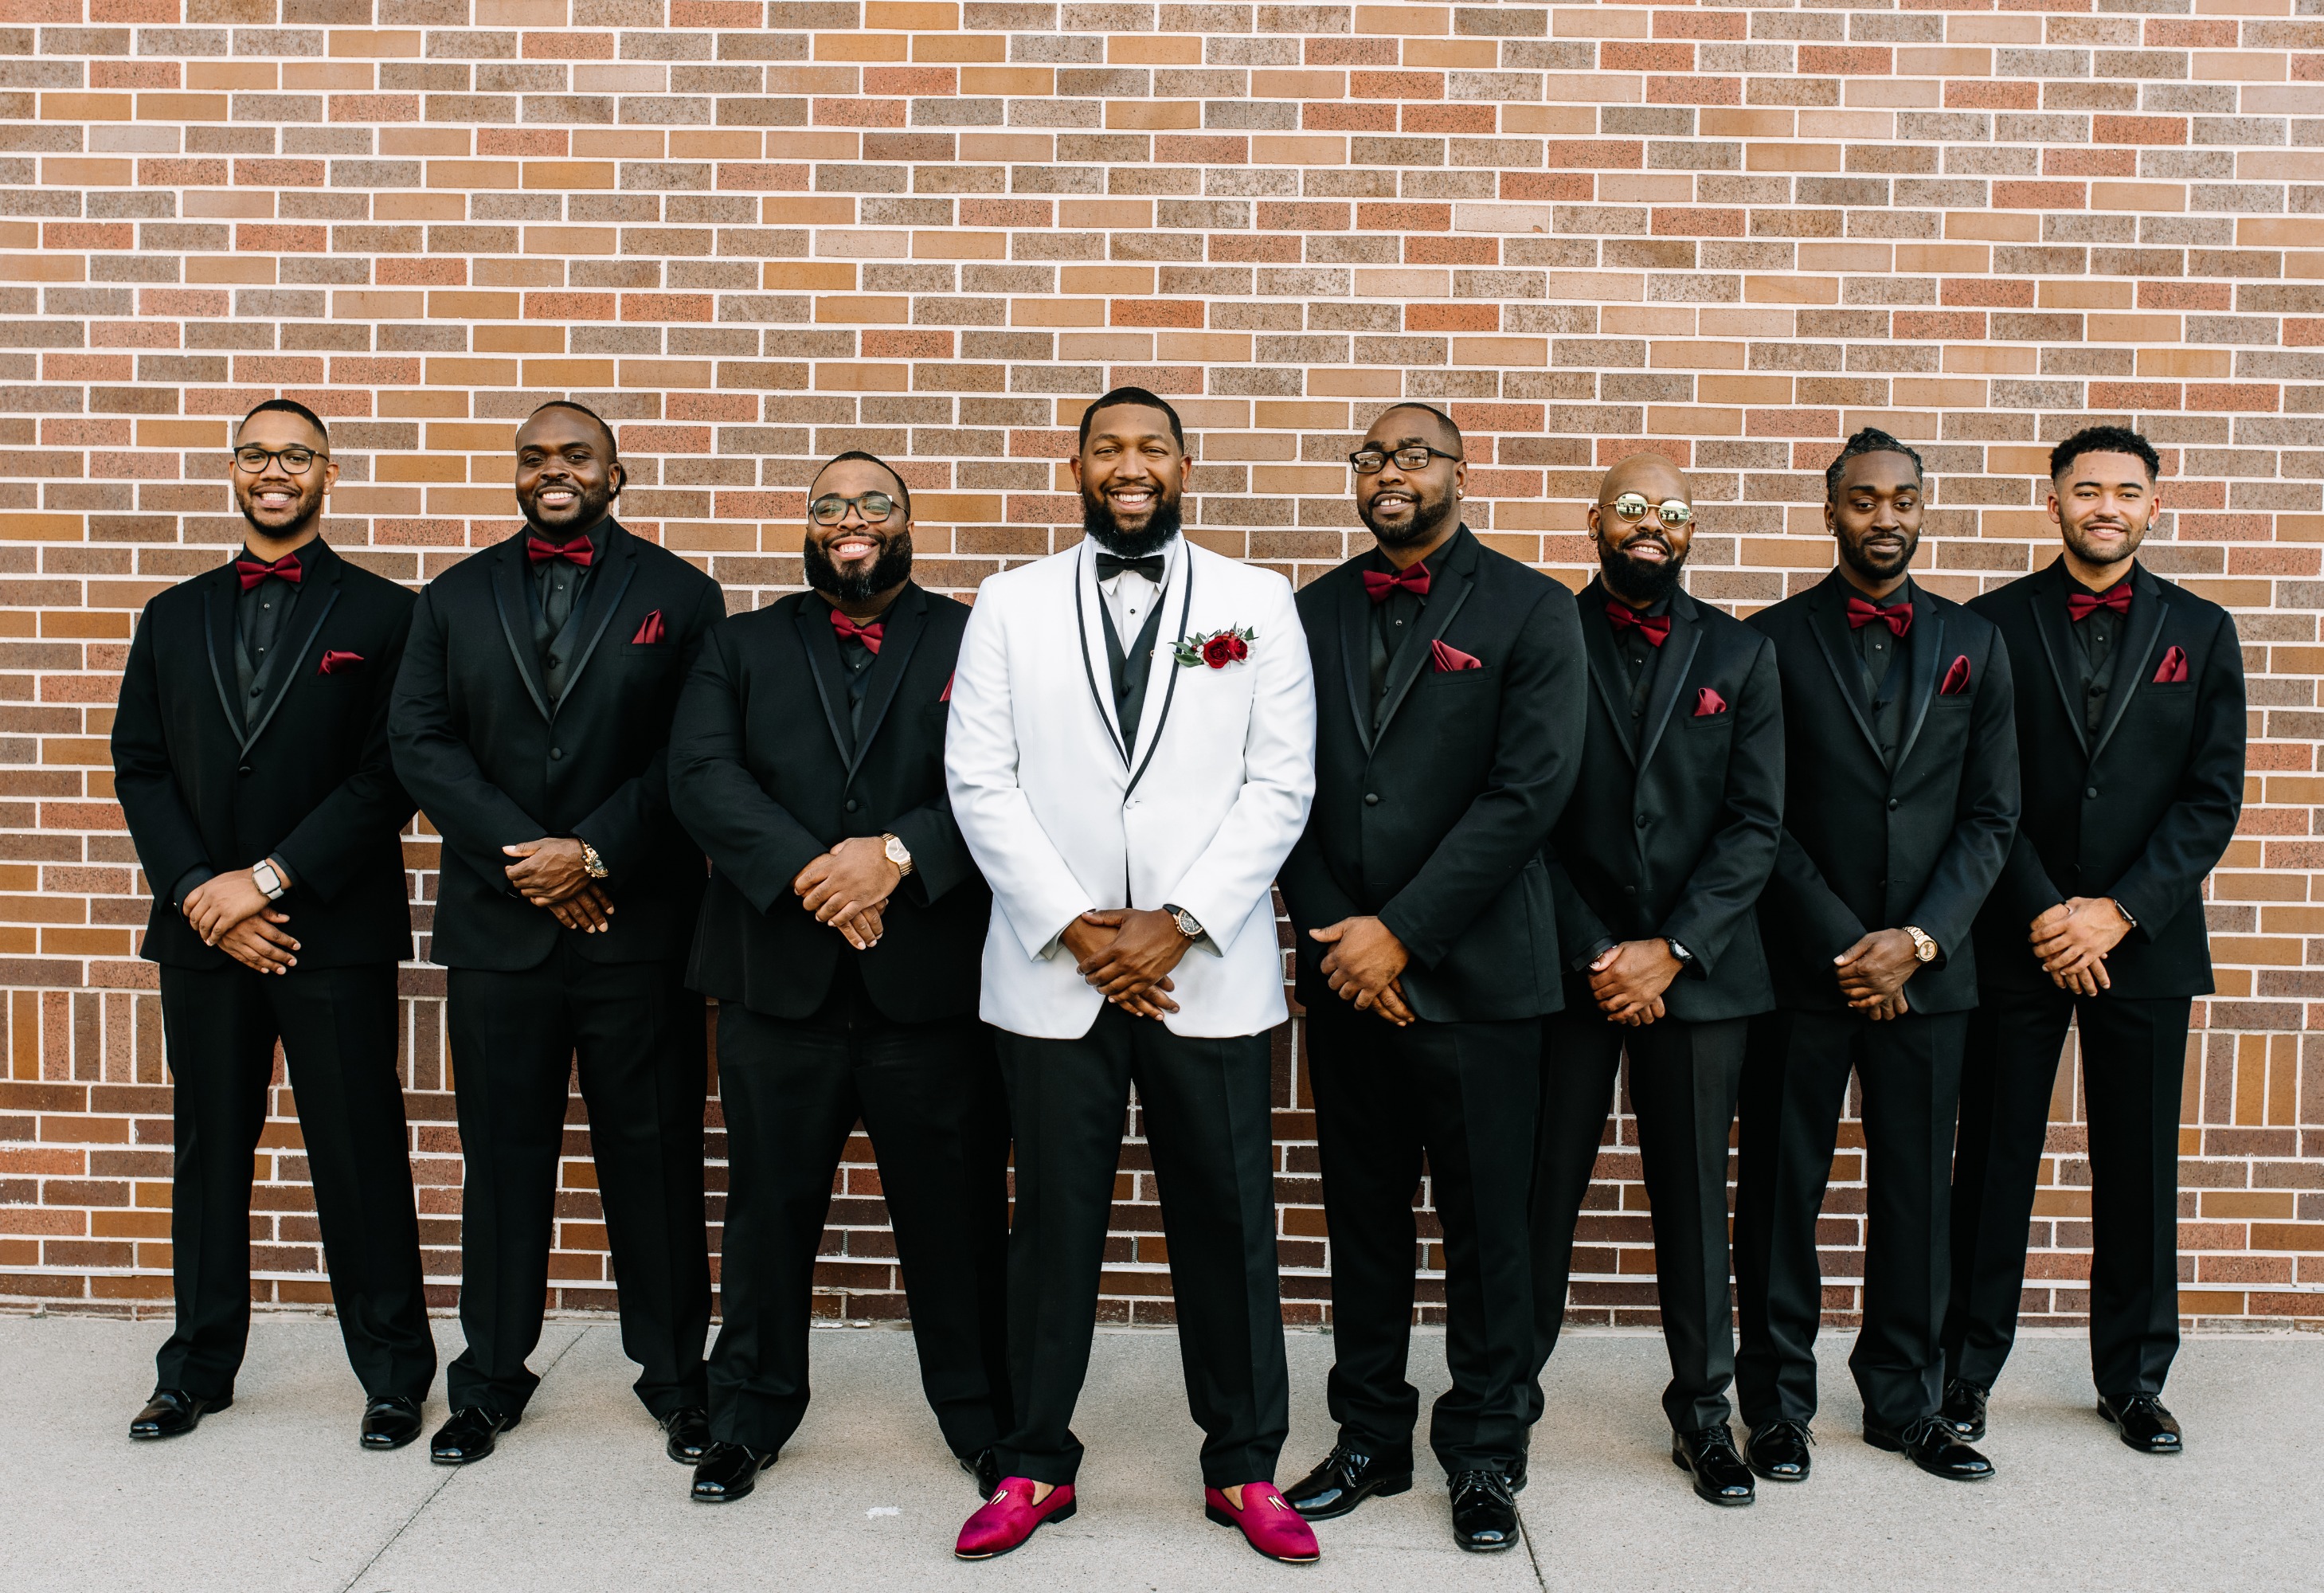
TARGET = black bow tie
(1110,565)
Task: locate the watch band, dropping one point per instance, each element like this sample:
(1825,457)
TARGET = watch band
(268,879)
(592,862)
(1188,925)
(1685,957)
(892,847)
(1925,947)
(2124,911)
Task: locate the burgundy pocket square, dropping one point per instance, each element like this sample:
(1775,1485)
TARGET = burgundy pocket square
(946,695)
(1446,660)
(1956,679)
(334,662)
(651,632)
(1707,702)
(2174,668)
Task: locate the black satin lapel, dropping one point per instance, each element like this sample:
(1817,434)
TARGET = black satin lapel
(1928,659)
(509,572)
(604,602)
(217,643)
(2147,612)
(1598,646)
(830,676)
(2050,625)
(1830,629)
(1678,651)
(1170,663)
(1086,595)
(1355,655)
(1413,657)
(905,622)
(292,665)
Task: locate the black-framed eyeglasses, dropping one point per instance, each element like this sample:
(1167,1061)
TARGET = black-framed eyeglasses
(1372,461)
(1633,506)
(295,461)
(831,508)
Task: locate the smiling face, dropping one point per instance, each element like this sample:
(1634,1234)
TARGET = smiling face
(1405,509)
(2103,505)
(283,509)
(1131,471)
(566,475)
(857,559)
(1641,558)
(1875,514)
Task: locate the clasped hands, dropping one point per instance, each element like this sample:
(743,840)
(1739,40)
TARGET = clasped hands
(229,912)
(1128,953)
(848,886)
(1365,967)
(1628,980)
(553,872)
(1872,974)
(2072,943)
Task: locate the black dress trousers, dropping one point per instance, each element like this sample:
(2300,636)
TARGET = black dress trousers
(2134,1069)
(1210,1133)
(338,1026)
(929,1096)
(640,1037)
(1683,1082)
(1465,1096)
(1794,1088)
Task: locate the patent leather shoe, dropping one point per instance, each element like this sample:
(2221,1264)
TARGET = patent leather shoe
(1517,1473)
(172,1413)
(1964,1410)
(689,1438)
(1721,1477)
(1930,1444)
(728,1471)
(390,1420)
(1778,1451)
(1345,1479)
(2144,1423)
(986,1466)
(1484,1511)
(467,1436)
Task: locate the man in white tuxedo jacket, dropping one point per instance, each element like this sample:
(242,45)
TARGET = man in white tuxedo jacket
(1130,757)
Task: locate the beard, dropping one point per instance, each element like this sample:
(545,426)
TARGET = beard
(1428,517)
(2088,552)
(284,532)
(1873,567)
(1638,580)
(590,504)
(892,567)
(1099,526)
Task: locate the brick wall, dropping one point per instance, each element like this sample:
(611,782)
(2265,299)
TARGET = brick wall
(757,233)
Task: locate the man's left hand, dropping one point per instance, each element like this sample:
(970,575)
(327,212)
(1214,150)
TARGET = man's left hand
(1628,980)
(1146,946)
(1875,968)
(548,871)
(220,902)
(851,876)
(2073,938)
(1365,962)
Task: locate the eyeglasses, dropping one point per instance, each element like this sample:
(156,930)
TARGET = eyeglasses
(1633,506)
(1372,461)
(831,508)
(295,461)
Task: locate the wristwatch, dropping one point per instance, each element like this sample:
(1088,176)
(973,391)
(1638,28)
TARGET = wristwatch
(2118,908)
(271,884)
(1924,949)
(1188,925)
(1686,958)
(897,854)
(591,861)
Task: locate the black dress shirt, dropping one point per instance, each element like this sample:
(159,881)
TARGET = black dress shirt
(1886,679)
(259,617)
(1397,616)
(1639,655)
(2095,638)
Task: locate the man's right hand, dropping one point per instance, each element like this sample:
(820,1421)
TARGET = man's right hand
(260,942)
(589,911)
(1087,939)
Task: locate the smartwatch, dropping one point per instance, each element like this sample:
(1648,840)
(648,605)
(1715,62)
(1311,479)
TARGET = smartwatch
(268,880)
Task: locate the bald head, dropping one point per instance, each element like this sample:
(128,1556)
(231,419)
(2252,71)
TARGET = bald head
(1652,475)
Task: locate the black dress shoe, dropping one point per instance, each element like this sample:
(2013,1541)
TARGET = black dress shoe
(728,1471)
(469,1436)
(1517,1473)
(2144,1423)
(1964,1410)
(986,1466)
(1930,1444)
(1778,1451)
(390,1420)
(689,1435)
(1484,1511)
(1345,1479)
(1720,1477)
(172,1413)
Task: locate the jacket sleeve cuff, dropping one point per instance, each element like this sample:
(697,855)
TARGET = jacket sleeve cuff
(187,882)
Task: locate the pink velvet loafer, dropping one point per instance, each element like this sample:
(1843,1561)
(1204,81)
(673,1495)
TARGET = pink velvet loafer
(1008,1517)
(1268,1523)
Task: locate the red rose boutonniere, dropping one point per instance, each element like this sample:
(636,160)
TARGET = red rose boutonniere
(1218,649)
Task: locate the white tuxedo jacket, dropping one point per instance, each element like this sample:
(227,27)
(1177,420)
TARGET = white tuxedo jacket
(1199,812)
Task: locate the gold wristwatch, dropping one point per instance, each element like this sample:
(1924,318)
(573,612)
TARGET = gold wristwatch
(897,854)
(1923,948)
(590,861)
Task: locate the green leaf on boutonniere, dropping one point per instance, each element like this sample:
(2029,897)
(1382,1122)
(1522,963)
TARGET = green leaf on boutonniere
(1216,650)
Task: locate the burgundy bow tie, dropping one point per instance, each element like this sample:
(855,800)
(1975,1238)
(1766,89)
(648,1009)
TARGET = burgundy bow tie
(1896,616)
(1655,628)
(576,552)
(2082,605)
(869,633)
(1378,583)
(253,571)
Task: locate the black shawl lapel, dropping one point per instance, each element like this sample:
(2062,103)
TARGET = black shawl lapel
(617,560)
(1458,579)
(1606,667)
(217,643)
(1355,614)
(1678,650)
(322,581)
(813,617)
(510,572)
(1928,659)
(901,630)
(1828,619)
(2048,598)
(1163,668)
(2148,609)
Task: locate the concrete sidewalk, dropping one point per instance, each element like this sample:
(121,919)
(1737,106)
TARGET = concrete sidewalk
(274,1494)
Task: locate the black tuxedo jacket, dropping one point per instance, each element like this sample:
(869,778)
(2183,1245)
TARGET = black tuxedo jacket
(1674,830)
(1864,848)
(1435,824)
(760,773)
(477,743)
(307,779)
(2142,811)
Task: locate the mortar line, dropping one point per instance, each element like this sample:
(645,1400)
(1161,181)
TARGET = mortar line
(450,1472)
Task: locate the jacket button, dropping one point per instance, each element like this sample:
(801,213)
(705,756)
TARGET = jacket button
(2090,790)
(1892,805)
(1644,820)
(552,660)
(1629,891)
(555,753)
(1372,799)
(244,771)
(851,804)
(256,690)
